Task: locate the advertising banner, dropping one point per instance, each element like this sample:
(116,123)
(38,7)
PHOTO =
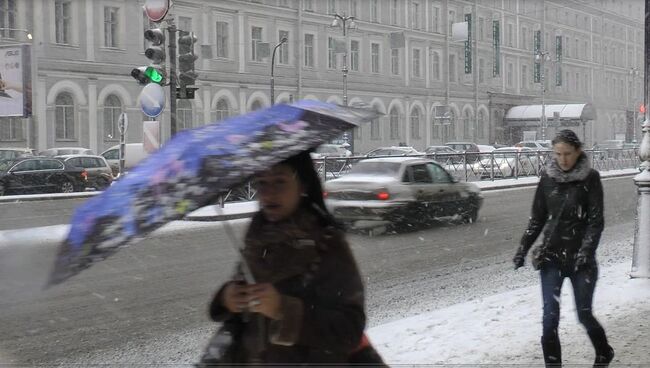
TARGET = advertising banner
(15,81)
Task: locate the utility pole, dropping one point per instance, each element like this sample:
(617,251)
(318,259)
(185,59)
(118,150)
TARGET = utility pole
(171,29)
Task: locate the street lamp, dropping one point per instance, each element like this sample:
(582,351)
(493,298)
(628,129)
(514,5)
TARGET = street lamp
(633,73)
(282,41)
(346,23)
(541,57)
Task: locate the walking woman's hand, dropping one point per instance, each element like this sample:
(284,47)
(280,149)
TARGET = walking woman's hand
(234,297)
(264,299)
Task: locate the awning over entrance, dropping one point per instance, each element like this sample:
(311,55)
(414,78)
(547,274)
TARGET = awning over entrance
(556,115)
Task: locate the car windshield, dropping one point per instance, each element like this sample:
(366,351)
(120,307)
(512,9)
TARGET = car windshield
(376,168)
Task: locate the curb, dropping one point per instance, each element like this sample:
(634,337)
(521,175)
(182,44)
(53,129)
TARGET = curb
(41,197)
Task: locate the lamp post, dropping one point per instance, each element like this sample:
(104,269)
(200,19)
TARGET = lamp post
(633,73)
(541,57)
(346,23)
(282,41)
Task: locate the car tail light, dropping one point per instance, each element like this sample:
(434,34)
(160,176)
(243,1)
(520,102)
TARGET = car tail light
(383,196)
(84,174)
(325,194)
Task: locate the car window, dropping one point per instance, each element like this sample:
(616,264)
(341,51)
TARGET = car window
(99,162)
(112,154)
(74,161)
(7,154)
(438,174)
(376,168)
(421,174)
(49,165)
(28,165)
(88,162)
(380,152)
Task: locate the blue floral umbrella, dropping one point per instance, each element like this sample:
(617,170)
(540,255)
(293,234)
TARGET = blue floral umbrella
(191,171)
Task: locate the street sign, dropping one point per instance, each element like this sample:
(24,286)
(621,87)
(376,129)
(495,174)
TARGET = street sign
(152,100)
(156,9)
(122,123)
(151,136)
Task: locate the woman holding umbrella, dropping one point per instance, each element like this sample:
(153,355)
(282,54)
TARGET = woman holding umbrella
(568,205)
(307,303)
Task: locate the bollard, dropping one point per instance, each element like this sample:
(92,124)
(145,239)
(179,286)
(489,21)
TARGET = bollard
(641,254)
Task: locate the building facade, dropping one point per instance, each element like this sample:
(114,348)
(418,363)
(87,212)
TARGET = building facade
(401,59)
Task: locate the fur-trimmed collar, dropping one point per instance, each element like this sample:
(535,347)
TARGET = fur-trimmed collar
(579,172)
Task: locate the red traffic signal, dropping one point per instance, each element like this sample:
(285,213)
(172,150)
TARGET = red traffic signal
(642,108)
(156,9)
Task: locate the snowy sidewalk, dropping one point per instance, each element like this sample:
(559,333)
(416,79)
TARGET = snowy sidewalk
(504,329)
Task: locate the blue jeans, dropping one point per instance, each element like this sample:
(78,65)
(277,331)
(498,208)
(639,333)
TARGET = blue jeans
(584,284)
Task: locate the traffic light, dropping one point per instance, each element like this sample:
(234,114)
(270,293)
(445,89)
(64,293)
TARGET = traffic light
(186,59)
(155,72)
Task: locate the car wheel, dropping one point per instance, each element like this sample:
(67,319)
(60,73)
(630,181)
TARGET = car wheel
(101,184)
(66,186)
(471,216)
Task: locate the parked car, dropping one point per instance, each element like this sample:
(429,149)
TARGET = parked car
(465,148)
(335,156)
(13,153)
(60,151)
(444,154)
(133,154)
(393,151)
(507,162)
(40,175)
(400,190)
(535,145)
(100,174)
(484,148)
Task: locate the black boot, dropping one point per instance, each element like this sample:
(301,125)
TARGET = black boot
(604,352)
(552,351)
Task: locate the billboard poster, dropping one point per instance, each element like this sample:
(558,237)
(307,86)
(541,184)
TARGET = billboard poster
(15,81)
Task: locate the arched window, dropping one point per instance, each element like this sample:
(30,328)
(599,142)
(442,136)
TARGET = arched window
(64,116)
(393,122)
(112,111)
(480,129)
(415,123)
(449,129)
(256,105)
(468,120)
(183,115)
(223,110)
(375,132)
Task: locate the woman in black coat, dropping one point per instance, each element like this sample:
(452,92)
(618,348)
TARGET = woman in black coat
(568,206)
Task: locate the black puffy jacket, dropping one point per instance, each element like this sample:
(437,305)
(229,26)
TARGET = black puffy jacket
(568,206)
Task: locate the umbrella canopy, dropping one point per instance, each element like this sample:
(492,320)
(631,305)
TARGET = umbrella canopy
(190,171)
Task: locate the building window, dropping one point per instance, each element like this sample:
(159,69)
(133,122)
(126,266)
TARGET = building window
(112,111)
(524,38)
(510,78)
(435,20)
(331,7)
(283,3)
(283,51)
(415,123)
(309,50)
(436,66)
(354,55)
(417,72)
(185,24)
(62,21)
(394,12)
(511,35)
(394,61)
(183,115)
(111,26)
(374,129)
(524,77)
(223,110)
(452,68)
(222,40)
(374,11)
(331,53)
(468,120)
(256,105)
(256,38)
(374,56)
(8,18)
(354,6)
(394,123)
(64,116)
(481,29)
(11,129)
(449,130)
(415,15)
(480,129)
(435,128)
(481,70)
(308,5)
(452,19)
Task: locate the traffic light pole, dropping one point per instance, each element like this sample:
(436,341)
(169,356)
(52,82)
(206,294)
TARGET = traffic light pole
(171,29)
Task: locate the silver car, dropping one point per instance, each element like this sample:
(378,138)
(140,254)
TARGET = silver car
(400,190)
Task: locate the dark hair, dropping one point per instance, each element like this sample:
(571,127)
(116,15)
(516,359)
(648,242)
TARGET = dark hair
(567,136)
(303,166)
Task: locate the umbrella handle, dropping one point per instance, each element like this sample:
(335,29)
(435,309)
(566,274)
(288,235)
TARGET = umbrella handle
(234,242)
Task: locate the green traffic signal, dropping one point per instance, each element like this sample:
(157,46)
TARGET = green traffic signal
(154,75)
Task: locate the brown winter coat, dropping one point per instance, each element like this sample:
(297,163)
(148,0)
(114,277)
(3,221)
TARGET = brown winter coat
(322,303)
